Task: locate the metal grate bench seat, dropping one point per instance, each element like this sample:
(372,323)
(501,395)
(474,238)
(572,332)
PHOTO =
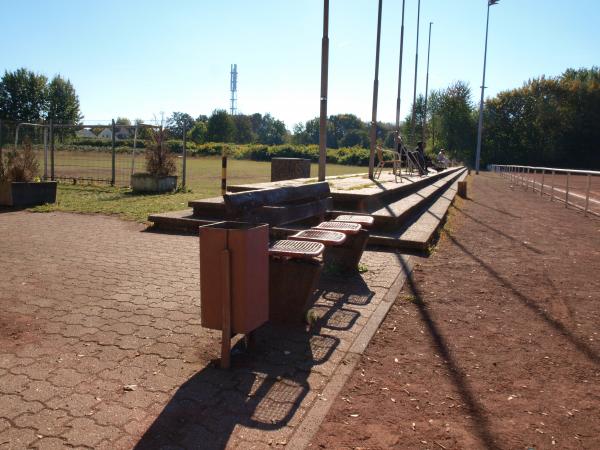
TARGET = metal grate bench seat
(296,249)
(343,227)
(325,237)
(364,221)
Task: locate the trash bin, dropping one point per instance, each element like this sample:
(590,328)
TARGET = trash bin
(234,263)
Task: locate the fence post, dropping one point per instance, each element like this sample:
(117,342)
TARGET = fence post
(184,168)
(223,173)
(552,188)
(112,177)
(45,153)
(542,186)
(135,133)
(51,150)
(567,191)
(587,194)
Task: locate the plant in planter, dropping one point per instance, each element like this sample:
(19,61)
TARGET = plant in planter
(160,167)
(19,185)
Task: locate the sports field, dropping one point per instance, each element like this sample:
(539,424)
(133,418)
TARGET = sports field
(203,180)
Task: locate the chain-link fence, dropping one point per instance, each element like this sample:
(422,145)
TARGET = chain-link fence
(90,153)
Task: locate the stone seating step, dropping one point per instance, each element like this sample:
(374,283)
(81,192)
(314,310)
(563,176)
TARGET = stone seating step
(418,233)
(184,222)
(391,216)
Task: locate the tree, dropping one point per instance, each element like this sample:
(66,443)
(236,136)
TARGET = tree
(271,131)
(456,122)
(355,138)
(198,133)
(220,127)
(243,129)
(63,102)
(178,122)
(23,96)
(123,121)
(546,122)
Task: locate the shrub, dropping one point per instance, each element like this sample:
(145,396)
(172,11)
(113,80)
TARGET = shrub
(159,160)
(20,166)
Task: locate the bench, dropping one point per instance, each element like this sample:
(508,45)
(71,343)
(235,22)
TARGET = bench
(294,269)
(281,205)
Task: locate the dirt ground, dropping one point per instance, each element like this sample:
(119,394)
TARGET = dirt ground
(577,187)
(494,341)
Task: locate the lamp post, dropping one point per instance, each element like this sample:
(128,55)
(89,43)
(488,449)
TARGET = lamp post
(324,73)
(400,71)
(480,127)
(373,137)
(414,109)
(424,122)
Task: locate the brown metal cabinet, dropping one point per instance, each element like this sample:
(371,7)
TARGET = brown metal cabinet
(234,265)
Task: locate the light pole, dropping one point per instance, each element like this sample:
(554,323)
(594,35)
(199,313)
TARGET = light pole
(426,87)
(373,137)
(324,77)
(480,127)
(414,110)
(400,71)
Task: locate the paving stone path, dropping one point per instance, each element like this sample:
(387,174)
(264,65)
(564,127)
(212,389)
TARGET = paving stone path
(101,344)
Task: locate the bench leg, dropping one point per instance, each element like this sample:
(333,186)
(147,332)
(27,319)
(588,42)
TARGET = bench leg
(291,284)
(345,257)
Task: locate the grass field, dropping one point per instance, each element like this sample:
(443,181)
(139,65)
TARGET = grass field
(203,180)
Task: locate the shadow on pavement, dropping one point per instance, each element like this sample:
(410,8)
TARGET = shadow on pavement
(260,399)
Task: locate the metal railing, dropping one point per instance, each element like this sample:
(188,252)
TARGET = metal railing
(549,181)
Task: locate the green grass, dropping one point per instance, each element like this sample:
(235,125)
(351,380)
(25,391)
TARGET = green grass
(203,180)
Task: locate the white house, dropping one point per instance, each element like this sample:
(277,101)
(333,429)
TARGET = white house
(85,133)
(105,134)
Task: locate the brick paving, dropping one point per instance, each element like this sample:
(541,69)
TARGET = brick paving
(101,344)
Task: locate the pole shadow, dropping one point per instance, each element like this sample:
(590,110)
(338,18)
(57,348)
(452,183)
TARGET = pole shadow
(581,346)
(476,410)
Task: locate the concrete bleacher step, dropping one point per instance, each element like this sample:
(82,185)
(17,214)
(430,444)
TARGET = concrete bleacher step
(393,215)
(180,221)
(419,232)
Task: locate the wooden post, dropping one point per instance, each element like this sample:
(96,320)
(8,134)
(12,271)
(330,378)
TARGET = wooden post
(113,159)
(567,190)
(324,81)
(223,173)
(375,95)
(462,189)
(587,194)
(226,311)
(51,150)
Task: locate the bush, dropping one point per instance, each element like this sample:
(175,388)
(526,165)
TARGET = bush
(20,166)
(159,160)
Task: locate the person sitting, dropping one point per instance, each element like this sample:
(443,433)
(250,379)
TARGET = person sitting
(442,160)
(420,155)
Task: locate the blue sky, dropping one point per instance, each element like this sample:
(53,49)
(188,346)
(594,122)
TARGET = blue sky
(140,58)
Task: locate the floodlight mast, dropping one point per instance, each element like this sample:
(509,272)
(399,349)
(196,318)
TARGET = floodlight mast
(480,126)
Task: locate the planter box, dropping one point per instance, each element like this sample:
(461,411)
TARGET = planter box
(248,247)
(27,194)
(146,183)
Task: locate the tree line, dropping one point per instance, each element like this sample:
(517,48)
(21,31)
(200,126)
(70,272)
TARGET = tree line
(550,121)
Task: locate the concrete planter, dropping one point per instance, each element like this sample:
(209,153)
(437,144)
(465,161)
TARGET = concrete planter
(27,194)
(246,275)
(142,183)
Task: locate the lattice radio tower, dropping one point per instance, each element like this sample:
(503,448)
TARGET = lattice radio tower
(233,87)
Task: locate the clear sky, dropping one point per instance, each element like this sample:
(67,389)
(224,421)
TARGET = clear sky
(140,58)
